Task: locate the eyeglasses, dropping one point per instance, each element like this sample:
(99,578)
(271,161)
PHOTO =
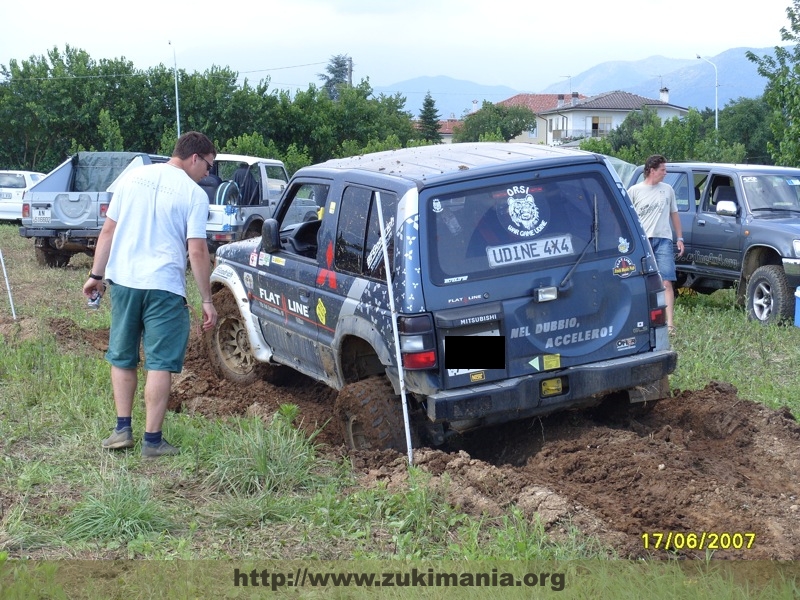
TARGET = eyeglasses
(207,163)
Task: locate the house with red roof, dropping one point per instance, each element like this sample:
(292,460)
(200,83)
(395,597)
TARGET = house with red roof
(597,115)
(539,103)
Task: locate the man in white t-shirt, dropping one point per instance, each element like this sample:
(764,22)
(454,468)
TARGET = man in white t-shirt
(157,211)
(655,204)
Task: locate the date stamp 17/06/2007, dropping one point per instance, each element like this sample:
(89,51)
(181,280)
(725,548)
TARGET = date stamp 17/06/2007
(704,540)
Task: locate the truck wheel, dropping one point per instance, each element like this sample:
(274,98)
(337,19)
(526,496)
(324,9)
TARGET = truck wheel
(769,298)
(370,415)
(254,230)
(229,347)
(50,258)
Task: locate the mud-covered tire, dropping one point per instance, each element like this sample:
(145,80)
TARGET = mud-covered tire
(253,230)
(769,297)
(229,347)
(51,258)
(370,415)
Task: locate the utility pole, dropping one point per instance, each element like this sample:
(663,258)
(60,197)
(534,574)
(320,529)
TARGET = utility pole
(350,71)
(716,92)
(177,101)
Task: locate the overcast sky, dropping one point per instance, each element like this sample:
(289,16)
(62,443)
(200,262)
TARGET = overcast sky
(521,44)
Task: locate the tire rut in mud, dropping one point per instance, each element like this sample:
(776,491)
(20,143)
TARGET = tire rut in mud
(702,461)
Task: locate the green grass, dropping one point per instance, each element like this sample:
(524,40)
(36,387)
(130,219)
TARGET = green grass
(716,341)
(245,489)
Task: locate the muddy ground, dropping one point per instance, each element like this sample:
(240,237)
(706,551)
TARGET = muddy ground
(704,461)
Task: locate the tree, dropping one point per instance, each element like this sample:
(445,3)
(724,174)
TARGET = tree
(495,120)
(338,73)
(110,134)
(642,134)
(428,125)
(747,120)
(782,91)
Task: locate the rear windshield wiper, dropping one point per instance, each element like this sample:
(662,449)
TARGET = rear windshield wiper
(595,238)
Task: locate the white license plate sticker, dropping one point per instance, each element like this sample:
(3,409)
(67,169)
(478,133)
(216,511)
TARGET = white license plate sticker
(41,215)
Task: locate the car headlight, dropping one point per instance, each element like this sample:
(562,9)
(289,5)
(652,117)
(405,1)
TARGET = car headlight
(796,246)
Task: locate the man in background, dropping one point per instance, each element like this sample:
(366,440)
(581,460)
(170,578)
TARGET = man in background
(655,204)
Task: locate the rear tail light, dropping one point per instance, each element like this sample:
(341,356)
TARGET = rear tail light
(103,210)
(417,341)
(26,211)
(657,300)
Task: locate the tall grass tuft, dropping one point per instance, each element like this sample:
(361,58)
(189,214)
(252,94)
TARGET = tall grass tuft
(254,458)
(122,509)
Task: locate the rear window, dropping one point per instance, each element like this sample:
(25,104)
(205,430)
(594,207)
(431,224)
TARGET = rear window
(12,180)
(522,225)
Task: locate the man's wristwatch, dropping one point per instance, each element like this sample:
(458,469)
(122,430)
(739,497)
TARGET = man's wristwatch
(95,277)
(680,239)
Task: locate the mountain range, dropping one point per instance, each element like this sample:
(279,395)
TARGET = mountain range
(691,83)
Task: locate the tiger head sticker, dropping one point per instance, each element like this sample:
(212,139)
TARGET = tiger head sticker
(523,212)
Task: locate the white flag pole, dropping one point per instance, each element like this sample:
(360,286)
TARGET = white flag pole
(392,308)
(8,287)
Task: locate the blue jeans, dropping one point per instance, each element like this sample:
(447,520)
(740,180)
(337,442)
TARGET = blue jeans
(665,257)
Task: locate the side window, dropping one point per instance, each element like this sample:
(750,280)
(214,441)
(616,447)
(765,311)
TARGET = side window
(276,181)
(374,266)
(352,229)
(681,187)
(358,248)
(305,205)
(700,181)
(721,188)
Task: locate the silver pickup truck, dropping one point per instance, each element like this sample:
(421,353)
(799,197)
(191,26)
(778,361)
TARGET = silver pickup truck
(65,211)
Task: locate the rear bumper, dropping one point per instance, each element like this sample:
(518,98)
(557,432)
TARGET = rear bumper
(512,399)
(30,232)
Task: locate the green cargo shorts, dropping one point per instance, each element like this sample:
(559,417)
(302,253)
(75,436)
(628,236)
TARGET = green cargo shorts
(157,320)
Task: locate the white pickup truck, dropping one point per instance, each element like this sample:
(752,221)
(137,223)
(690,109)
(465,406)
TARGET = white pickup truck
(242,192)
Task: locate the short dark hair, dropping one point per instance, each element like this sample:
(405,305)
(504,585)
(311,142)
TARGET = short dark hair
(193,142)
(653,162)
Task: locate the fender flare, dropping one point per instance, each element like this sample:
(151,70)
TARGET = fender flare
(225,276)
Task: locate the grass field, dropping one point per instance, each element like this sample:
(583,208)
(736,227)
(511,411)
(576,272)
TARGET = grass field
(256,492)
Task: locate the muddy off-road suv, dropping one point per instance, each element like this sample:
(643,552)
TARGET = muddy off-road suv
(520,283)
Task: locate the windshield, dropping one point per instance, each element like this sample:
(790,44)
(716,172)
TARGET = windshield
(520,225)
(772,192)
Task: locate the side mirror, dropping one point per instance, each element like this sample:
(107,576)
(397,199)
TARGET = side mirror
(726,208)
(270,236)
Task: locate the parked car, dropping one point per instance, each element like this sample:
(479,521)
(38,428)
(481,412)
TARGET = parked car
(13,185)
(741,228)
(492,282)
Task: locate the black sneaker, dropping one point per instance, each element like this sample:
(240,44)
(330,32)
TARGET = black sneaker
(119,439)
(164,448)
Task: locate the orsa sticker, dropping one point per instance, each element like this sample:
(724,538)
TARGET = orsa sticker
(521,209)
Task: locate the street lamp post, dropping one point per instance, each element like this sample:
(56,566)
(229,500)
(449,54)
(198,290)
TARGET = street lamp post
(716,92)
(177,101)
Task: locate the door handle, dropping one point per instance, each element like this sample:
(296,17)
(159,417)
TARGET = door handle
(304,294)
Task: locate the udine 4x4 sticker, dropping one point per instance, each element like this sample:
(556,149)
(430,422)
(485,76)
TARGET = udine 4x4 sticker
(522,211)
